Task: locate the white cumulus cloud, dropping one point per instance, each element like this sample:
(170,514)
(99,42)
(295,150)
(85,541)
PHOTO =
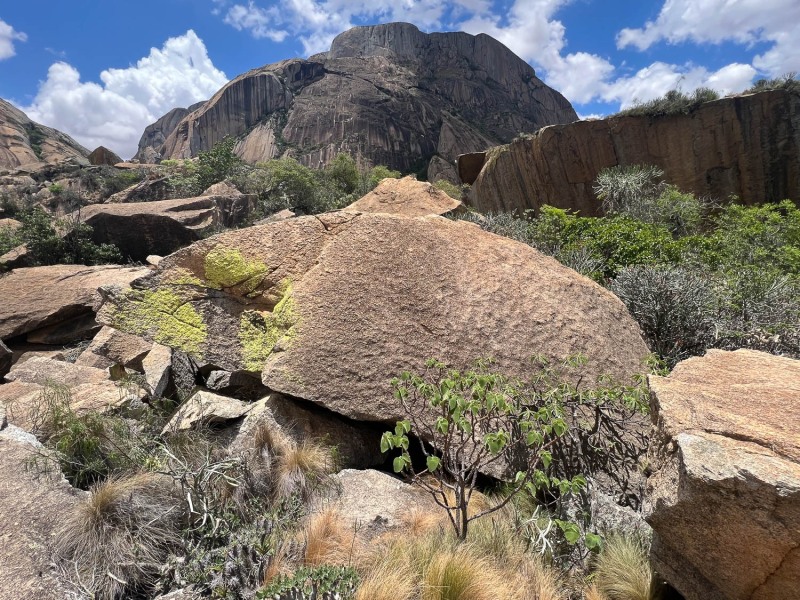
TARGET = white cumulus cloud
(775,22)
(8,35)
(115,112)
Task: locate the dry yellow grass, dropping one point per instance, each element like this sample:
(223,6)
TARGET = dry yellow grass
(592,593)
(622,571)
(299,467)
(460,574)
(329,540)
(388,582)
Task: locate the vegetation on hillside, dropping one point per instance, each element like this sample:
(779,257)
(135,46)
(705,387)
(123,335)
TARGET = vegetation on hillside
(677,102)
(695,275)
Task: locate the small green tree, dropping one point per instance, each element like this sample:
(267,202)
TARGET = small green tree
(477,421)
(217,164)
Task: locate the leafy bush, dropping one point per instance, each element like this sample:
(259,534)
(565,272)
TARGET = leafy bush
(451,189)
(65,241)
(216,164)
(675,307)
(479,420)
(10,238)
(674,102)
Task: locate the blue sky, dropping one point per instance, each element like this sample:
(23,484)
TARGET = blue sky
(102,70)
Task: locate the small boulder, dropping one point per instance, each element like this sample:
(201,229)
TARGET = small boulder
(724,496)
(5,359)
(406,197)
(103,156)
(157,367)
(110,346)
(204,408)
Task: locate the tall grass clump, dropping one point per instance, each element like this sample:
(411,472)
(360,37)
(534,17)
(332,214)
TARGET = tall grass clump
(674,102)
(622,571)
(114,544)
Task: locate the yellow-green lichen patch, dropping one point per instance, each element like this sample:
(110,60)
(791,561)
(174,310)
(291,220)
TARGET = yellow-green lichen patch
(260,332)
(226,268)
(166,316)
(181,276)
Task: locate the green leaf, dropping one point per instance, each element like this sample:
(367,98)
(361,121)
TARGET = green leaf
(593,541)
(571,532)
(547,458)
(433,463)
(399,464)
(384,443)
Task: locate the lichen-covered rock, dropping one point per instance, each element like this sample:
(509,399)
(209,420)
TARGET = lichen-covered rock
(41,297)
(724,497)
(747,146)
(406,197)
(329,308)
(390,93)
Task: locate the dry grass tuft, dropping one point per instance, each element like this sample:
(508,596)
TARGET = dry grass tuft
(328,539)
(299,467)
(592,593)
(269,442)
(459,574)
(388,582)
(622,571)
(114,544)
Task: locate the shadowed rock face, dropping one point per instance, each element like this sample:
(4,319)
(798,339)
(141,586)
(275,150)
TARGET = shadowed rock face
(24,143)
(748,146)
(390,93)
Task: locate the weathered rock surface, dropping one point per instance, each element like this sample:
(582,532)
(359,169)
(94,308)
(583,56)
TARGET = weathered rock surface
(377,500)
(330,307)
(41,297)
(139,229)
(149,190)
(724,499)
(157,366)
(406,197)
(156,133)
(90,388)
(111,347)
(748,146)
(103,156)
(32,510)
(204,408)
(29,145)
(390,93)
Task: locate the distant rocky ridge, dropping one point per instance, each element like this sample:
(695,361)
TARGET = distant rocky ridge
(389,93)
(26,144)
(747,146)
(156,133)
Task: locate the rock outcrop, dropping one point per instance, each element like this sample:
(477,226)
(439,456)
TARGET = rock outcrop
(26,144)
(389,93)
(406,197)
(724,498)
(41,298)
(329,308)
(140,229)
(747,146)
(156,133)
(103,156)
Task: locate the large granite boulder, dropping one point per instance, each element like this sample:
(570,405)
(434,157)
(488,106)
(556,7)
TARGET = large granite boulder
(406,197)
(329,308)
(32,508)
(103,156)
(45,298)
(390,93)
(724,498)
(699,152)
(140,229)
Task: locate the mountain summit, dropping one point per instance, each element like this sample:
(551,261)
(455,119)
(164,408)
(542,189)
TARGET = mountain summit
(390,93)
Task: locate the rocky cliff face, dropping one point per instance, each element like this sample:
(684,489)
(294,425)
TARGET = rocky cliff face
(748,146)
(156,133)
(389,93)
(24,143)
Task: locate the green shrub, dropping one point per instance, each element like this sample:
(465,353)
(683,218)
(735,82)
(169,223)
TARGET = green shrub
(216,164)
(56,189)
(9,239)
(313,582)
(64,241)
(451,189)
(786,82)
(674,102)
